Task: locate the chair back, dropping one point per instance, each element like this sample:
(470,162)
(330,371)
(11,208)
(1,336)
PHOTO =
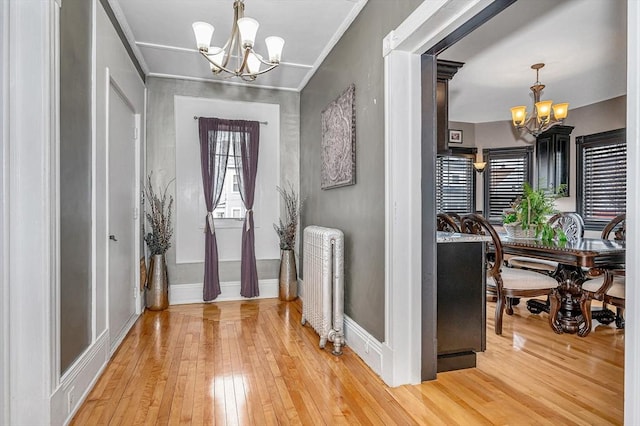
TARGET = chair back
(477,224)
(446,223)
(571,224)
(618,226)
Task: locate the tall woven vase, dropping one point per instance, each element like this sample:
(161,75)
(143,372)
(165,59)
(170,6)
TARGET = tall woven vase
(158,284)
(288,282)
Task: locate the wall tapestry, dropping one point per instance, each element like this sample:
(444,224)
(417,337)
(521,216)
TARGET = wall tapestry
(339,141)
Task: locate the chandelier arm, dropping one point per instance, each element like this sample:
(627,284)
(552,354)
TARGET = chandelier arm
(272,66)
(243,65)
(221,67)
(263,61)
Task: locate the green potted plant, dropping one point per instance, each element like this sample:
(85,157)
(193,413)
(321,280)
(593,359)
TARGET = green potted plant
(158,214)
(286,230)
(529,213)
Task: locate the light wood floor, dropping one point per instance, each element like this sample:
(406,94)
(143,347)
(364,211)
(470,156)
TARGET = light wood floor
(246,363)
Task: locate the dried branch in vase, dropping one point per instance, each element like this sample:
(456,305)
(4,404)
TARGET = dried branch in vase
(287,230)
(159,217)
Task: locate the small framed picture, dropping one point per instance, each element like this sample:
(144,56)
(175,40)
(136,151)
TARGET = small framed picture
(455,136)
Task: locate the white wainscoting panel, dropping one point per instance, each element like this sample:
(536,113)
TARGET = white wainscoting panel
(76,384)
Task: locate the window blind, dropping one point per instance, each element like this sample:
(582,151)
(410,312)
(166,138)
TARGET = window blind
(455,184)
(602,177)
(507,171)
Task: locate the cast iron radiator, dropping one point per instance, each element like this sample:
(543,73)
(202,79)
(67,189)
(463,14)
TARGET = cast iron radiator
(323,268)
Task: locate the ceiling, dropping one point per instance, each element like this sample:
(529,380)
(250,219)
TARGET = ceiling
(582,43)
(162,39)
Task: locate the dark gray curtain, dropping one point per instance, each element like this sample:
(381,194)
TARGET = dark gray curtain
(246,138)
(214,152)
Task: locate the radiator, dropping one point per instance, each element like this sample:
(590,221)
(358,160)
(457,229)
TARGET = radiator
(323,268)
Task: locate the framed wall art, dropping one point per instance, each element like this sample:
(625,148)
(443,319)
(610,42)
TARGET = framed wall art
(339,141)
(455,136)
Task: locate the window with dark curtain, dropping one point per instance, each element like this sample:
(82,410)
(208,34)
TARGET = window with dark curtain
(455,182)
(506,172)
(602,177)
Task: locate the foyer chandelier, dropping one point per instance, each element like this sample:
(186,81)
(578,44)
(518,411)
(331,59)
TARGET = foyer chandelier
(239,46)
(545,114)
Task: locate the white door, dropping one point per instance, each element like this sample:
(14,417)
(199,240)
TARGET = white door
(122,205)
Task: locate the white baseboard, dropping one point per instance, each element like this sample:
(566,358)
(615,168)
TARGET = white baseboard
(358,339)
(181,294)
(118,340)
(76,384)
(363,344)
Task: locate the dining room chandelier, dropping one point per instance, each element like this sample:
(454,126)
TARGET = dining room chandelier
(545,114)
(239,46)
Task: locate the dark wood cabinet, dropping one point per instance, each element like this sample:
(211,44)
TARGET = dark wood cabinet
(552,158)
(445,72)
(461,304)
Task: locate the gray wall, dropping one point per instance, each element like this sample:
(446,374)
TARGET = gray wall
(161,149)
(357,210)
(75,179)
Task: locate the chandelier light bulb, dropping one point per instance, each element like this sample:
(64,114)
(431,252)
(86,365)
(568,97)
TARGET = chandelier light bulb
(518,115)
(560,111)
(543,110)
(274,47)
(253,63)
(203,32)
(216,57)
(248,28)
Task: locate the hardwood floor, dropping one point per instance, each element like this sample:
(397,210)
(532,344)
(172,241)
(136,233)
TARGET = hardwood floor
(251,362)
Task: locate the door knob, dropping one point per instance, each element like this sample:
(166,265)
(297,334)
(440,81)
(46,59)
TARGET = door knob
(113,238)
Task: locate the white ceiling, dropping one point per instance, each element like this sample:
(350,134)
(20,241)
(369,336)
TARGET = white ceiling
(582,43)
(163,41)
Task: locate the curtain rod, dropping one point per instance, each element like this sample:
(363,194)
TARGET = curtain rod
(195,117)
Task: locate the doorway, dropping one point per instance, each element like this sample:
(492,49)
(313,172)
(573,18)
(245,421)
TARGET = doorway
(122,214)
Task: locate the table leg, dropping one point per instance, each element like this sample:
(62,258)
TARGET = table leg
(585,309)
(554,308)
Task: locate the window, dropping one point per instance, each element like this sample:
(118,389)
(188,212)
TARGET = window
(235,183)
(507,170)
(230,203)
(455,182)
(602,177)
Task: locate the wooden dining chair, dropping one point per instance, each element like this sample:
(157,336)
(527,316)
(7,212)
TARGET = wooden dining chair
(444,222)
(608,284)
(573,227)
(510,283)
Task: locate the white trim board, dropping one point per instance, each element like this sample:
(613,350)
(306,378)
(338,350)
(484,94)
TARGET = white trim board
(180,294)
(79,380)
(632,337)
(363,344)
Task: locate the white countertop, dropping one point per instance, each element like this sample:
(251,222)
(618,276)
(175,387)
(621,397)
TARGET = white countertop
(448,237)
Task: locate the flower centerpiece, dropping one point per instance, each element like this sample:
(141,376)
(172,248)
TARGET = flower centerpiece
(528,214)
(286,230)
(158,214)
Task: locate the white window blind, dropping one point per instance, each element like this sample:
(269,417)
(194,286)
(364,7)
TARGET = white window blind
(455,185)
(602,177)
(506,172)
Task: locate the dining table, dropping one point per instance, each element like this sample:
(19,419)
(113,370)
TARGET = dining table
(568,307)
